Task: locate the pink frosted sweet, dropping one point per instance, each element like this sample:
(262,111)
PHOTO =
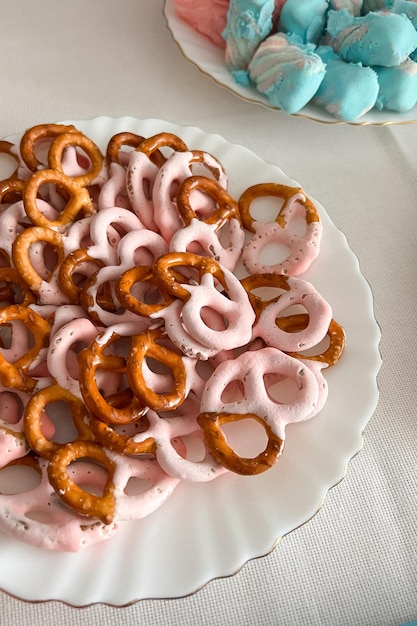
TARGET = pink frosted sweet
(208,17)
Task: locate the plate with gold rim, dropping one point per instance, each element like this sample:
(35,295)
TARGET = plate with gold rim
(209,59)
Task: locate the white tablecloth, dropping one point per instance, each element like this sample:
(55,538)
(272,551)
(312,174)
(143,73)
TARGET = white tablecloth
(355,562)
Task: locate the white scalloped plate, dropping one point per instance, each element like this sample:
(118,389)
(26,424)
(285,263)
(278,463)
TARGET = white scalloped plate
(210,61)
(211,530)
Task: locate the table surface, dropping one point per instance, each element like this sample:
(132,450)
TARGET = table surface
(355,562)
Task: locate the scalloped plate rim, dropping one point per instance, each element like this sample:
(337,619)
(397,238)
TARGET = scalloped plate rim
(49,568)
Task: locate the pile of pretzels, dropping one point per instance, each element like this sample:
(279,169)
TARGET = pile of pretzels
(138,318)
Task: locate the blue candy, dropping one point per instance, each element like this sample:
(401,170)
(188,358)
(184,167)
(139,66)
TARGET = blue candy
(304,19)
(384,39)
(347,90)
(397,87)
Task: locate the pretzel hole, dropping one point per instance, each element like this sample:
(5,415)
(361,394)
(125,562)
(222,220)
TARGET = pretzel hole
(152,296)
(44,258)
(293,319)
(71,360)
(136,485)
(280,389)
(4,258)
(193,448)
(116,231)
(184,274)
(146,292)
(56,194)
(164,151)
(297,224)
(318,349)
(81,273)
(195,247)
(77,155)
(147,186)
(40,149)
(57,422)
(224,234)
(78,345)
(18,478)
(202,169)
(213,319)
(123,154)
(6,332)
(162,380)
(118,383)
(108,385)
(106,300)
(204,369)
(113,236)
(11,335)
(11,293)
(84,240)
(267,293)
(7,166)
(246,437)
(88,474)
(272,253)
(11,407)
(143,256)
(265,209)
(202,204)
(233,392)
(117,347)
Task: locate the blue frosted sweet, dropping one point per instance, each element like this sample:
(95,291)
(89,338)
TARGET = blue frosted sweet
(347,56)
(384,38)
(287,73)
(397,87)
(347,90)
(248,23)
(306,19)
(405,7)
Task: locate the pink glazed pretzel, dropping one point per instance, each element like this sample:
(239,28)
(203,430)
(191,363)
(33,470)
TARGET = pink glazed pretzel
(175,171)
(303,248)
(257,371)
(218,231)
(292,291)
(230,319)
(38,516)
(34,415)
(30,333)
(115,503)
(62,142)
(218,446)
(171,436)
(40,279)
